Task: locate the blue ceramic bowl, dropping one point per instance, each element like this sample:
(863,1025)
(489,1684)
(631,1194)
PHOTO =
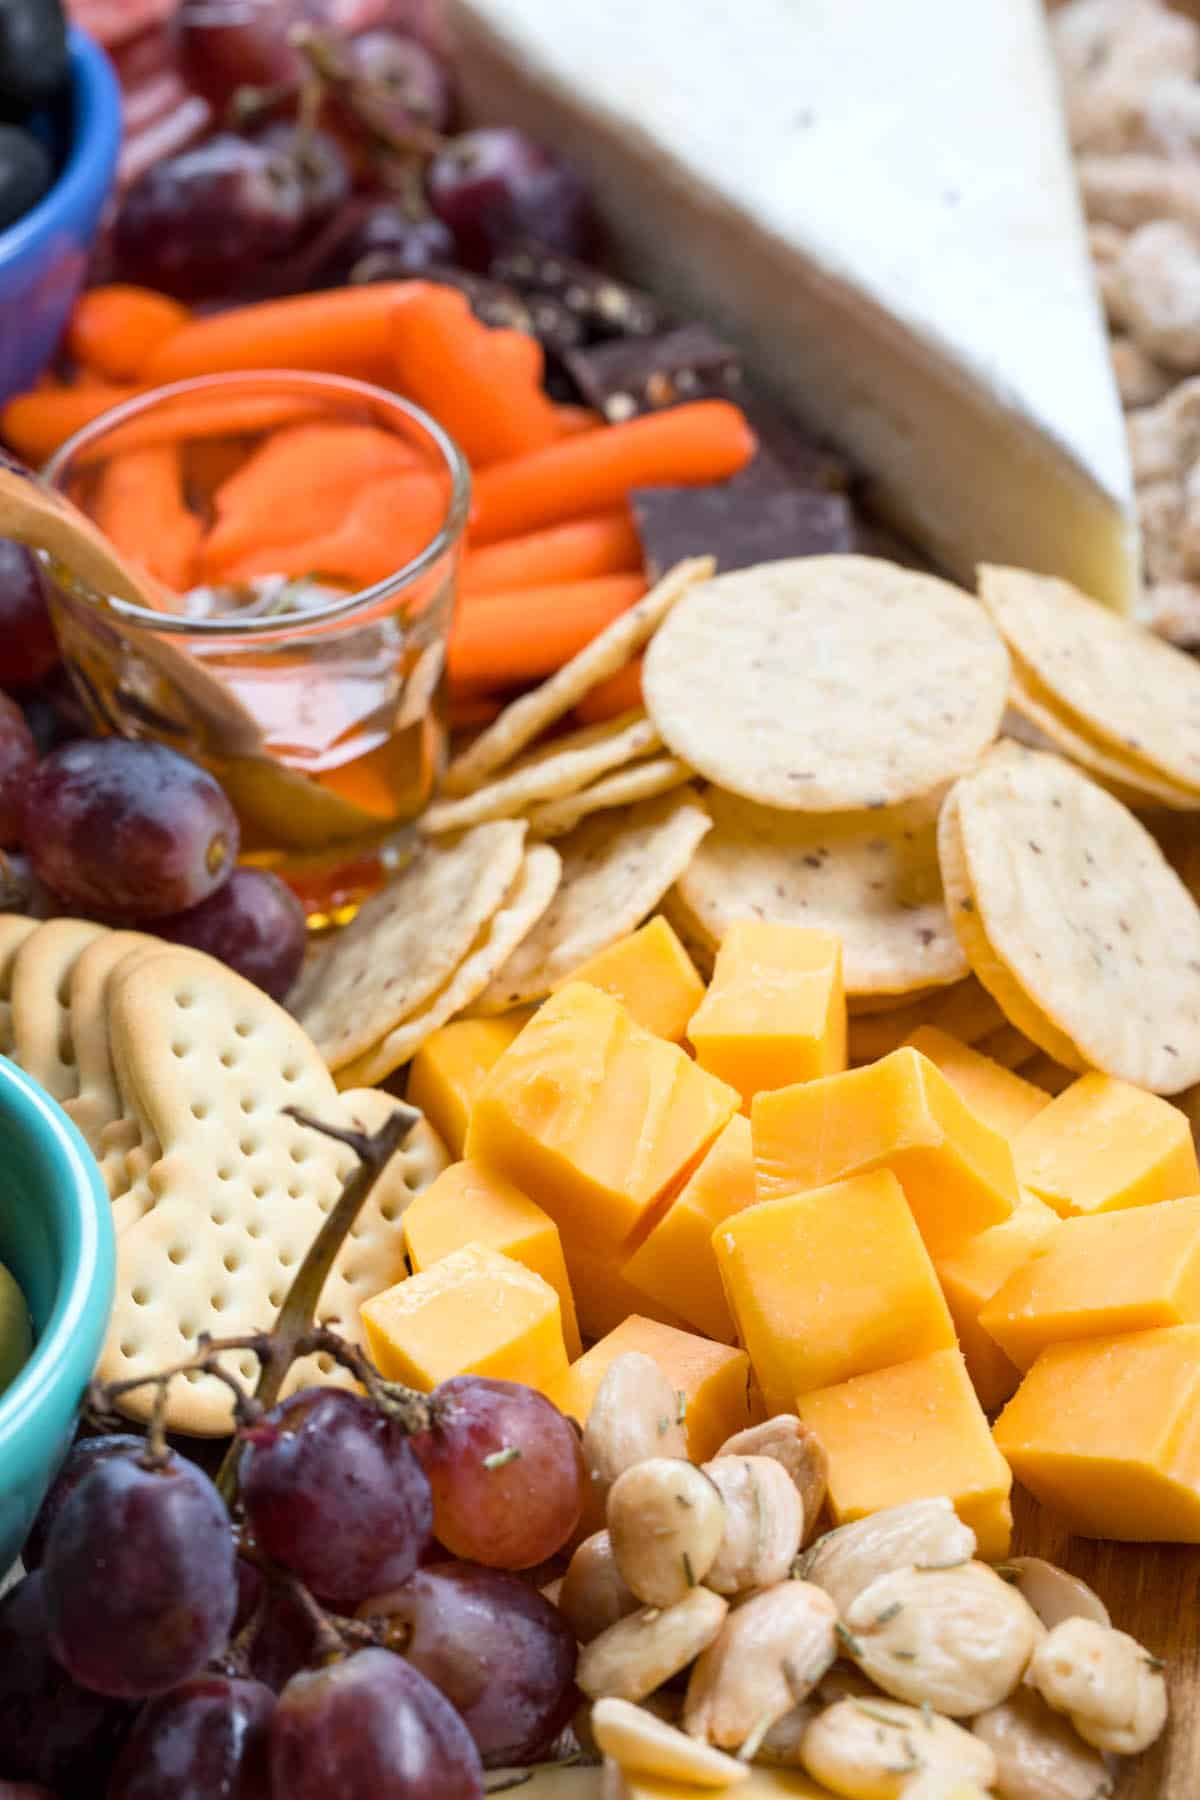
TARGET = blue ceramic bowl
(56,1236)
(44,255)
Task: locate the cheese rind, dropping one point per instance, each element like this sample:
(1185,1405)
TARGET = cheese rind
(932,310)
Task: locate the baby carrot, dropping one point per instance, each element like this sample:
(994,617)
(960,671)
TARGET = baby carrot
(573,421)
(347,331)
(297,485)
(605,544)
(388,523)
(214,414)
(482,384)
(522,634)
(113,329)
(704,441)
(469,712)
(139,506)
(610,698)
(35,424)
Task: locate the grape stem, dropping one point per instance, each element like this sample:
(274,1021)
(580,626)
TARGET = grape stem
(321,55)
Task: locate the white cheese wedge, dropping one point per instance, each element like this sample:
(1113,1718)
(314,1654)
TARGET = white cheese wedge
(875,199)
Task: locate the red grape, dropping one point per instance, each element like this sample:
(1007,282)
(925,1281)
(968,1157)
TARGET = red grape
(285,1640)
(131,830)
(334,1492)
(318,161)
(206,1740)
(506,1469)
(496,185)
(394,84)
(141,1583)
(28,646)
(370,1728)
(25,1790)
(254,923)
(18,759)
(51,1730)
(80,1460)
(225,45)
(389,244)
(194,223)
(501,1654)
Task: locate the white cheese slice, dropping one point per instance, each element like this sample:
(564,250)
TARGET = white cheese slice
(875,198)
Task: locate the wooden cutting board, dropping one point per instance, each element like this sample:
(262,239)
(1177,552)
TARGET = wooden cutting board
(1153,1592)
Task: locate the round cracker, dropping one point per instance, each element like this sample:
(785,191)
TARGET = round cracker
(616,868)
(640,781)
(1112,679)
(1080,905)
(871,877)
(1134,786)
(559,768)
(827,683)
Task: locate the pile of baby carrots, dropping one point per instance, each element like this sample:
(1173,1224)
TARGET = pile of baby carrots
(551,554)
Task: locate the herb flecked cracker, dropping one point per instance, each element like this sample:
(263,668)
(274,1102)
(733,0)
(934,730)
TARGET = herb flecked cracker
(827,683)
(871,877)
(1078,905)
(555,771)
(1135,786)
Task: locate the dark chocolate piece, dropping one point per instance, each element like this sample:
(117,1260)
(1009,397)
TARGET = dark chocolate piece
(494,303)
(641,375)
(605,306)
(758,516)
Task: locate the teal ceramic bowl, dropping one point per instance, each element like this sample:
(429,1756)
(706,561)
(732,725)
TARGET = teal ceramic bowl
(56,1236)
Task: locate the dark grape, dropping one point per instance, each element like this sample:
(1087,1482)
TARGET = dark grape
(370,1728)
(131,830)
(501,1654)
(22,892)
(28,647)
(334,1492)
(506,1469)
(25,1790)
(388,243)
(225,45)
(196,223)
(26,172)
(141,1585)
(394,84)
(80,1460)
(318,161)
(285,1639)
(205,1740)
(33,53)
(254,923)
(18,759)
(496,185)
(51,1729)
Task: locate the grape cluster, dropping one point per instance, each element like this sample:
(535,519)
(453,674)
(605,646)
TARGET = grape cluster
(315,100)
(353,1625)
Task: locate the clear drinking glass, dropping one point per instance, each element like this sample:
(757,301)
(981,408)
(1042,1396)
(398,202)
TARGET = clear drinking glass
(308,670)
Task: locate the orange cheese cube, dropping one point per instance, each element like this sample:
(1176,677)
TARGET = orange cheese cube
(1106,1432)
(1002,1099)
(712,1378)
(1102,1144)
(469,1203)
(1100,1275)
(652,975)
(912,1432)
(972,1273)
(677,1266)
(899,1114)
(830,1284)
(775,1011)
(604,1299)
(598,1119)
(473,1313)
(450,1067)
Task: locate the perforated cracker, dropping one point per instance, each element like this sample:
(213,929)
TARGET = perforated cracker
(871,877)
(520,723)
(559,768)
(616,868)
(641,781)
(14,929)
(241,1189)
(827,683)
(532,893)
(407,941)
(41,1015)
(98,1108)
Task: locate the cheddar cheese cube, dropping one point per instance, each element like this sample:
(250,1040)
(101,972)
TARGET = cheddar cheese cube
(470,1203)
(473,1313)
(711,1378)
(911,1432)
(1098,1275)
(1106,1432)
(775,1011)
(1102,1144)
(900,1114)
(598,1119)
(998,1096)
(652,975)
(972,1273)
(830,1284)
(677,1266)
(451,1066)
(603,1297)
